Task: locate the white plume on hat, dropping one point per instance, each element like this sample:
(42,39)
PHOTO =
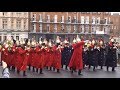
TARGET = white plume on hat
(45,41)
(78,39)
(101,42)
(6,45)
(74,40)
(50,44)
(66,41)
(23,41)
(112,40)
(40,41)
(33,43)
(57,39)
(28,42)
(89,42)
(17,42)
(93,42)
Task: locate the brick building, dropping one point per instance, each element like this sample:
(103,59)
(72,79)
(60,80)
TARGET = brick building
(69,24)
(115,28)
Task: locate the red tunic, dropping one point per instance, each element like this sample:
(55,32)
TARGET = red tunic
(20,58)
(57,58)
(25,61)
(50,57)
(32,56)
(5,55)
(36,57)
(46,56)
(41,63)
(76,59)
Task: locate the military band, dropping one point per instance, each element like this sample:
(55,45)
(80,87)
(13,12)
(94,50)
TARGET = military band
(46,54)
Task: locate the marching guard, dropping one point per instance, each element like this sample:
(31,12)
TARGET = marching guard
(101,55)
(76,62)
(66,54)
(111,59)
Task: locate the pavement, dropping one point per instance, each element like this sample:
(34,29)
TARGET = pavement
(66,74)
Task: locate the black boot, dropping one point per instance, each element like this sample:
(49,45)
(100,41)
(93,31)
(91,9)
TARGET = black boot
(53,69)
(74,69)
(107,68)
(89,67)
(29,68)
(79,72)
(62,66)
(18,71)
(101,67)
(94,68)
(13,68)
(41,71)
(66,67)
(37,70)
(9,67)
(71,71)
(50,68)
(58,71)
(33,69)
(46,67)
(113,69)
(24,73)
(83,66)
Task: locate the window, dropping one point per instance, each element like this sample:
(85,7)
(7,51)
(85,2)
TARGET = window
(18,14)
(75,28)
(69,28)
(40,28)
(93,20)
(48,28)
(98,20)
(69,19)
(12,23)
(87,20)
(34,27)
(25,24)
(40,17)
(82,19)
(34,17)
(93,29)
(105,20)
(62,27)
(86,29)
(4,23)
(74,19)
(12,14)
(55,27)
(62,19)
(18,24)
(48,18)
(82,28)
(55,18)
(4,13)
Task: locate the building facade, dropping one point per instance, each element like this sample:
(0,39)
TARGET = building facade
(14,24)
(69,24)
(115,29)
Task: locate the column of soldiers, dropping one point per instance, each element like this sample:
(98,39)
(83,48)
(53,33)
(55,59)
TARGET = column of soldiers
(55,56)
